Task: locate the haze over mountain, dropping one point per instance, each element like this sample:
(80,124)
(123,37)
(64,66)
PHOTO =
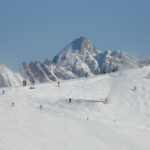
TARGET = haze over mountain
(78,59)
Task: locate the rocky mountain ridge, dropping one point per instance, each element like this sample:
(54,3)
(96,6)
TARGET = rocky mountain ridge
(78,59)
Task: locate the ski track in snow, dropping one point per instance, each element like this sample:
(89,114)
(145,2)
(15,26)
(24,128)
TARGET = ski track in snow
(123,123)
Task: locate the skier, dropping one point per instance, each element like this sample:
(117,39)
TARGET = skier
(12,104)
(41,107)
(33,82)
(24,82)
(86,75)
(134,89)
(104,70)
(87,118)
(58,84)
(149,75)
(3,92)
(69,100)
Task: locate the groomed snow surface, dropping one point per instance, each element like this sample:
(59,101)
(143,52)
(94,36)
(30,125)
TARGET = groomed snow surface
(85,123)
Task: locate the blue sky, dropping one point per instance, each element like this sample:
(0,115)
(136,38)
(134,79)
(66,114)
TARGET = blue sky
(39,29)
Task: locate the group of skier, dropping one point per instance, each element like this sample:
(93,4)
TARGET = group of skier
(24,83)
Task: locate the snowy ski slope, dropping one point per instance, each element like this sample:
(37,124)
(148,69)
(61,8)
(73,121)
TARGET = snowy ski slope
(85,123)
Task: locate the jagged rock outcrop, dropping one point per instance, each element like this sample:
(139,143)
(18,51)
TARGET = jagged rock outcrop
(111,61)
(38,71)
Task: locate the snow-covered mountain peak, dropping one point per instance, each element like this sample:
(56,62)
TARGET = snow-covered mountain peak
(79,46)
(82,44)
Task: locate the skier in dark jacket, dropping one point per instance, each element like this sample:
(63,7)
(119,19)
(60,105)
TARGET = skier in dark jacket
(3,92)
(58,84)
(86,75)
(24,82)
(69,100)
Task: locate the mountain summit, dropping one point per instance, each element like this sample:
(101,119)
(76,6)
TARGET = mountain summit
(77,59)
(80,46)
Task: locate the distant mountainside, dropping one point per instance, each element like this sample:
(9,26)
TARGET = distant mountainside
(77,59)
(40,72)
(144,62)
(9,78)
